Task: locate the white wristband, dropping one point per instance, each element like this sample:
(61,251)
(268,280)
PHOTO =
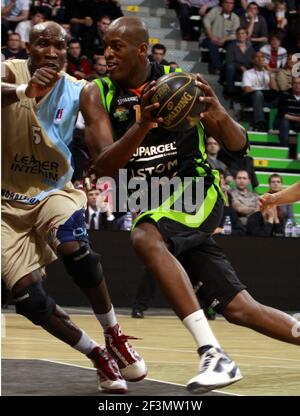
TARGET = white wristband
(20,91)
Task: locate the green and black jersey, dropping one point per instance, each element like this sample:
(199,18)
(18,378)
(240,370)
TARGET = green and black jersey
(162,153)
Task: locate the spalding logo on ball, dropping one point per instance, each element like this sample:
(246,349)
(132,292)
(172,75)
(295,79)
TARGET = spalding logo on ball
(178,96)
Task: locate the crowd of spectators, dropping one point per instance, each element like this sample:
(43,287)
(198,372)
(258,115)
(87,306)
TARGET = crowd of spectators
(251,46)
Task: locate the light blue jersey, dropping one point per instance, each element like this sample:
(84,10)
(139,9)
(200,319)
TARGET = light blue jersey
(36,157)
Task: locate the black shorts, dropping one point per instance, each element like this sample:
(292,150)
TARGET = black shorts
(214,280)
(213,277)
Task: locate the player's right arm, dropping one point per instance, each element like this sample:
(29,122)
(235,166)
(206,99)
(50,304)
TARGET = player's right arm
(286,196)
(39,85)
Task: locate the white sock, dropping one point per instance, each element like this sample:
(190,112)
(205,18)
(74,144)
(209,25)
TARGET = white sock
(198,326)
(107,319)
(85,344)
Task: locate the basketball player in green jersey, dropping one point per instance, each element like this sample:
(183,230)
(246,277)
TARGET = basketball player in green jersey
(167,240)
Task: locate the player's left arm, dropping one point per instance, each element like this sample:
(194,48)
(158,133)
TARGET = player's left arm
(218,122)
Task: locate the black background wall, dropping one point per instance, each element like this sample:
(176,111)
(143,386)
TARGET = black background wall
(270,267)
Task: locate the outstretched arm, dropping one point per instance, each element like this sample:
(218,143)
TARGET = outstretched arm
(218,122)
(39,85)
(109,156)
(286,196)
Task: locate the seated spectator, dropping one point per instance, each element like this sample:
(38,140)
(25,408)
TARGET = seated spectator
(239,58)
(78,65)
(80,13)
(275,55)
(236,164)
(13,49)
(37,15)
(282,80)
(158,52)
(109,8)
(293,32)
(212,151)
(284,212)
(280,11)
(220,25)
(52,9)
(12,12)
(100,68)
(288,116)
(265,224)
(188,8)
(244,202)
(92,39)
(237,226)
(256,86)
(98,215)
(256,26)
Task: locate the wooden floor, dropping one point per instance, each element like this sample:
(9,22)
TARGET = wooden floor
(269,367)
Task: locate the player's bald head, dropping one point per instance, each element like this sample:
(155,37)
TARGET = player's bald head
(130,28)
(48,29)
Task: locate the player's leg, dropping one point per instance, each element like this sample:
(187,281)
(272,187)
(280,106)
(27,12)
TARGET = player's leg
(152,248)
(217,285)
(23,255)
(69,238)
(246,311)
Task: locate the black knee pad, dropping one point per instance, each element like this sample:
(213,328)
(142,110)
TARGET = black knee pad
(35,304)
(85,267)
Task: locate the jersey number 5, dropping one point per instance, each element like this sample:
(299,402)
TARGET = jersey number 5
(36,131)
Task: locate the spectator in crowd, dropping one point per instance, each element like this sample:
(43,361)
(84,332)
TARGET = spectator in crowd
(12,12)
(37,15)
(100,68)
(212,151)
(98,215)
(80,14)
(275,55)
(280,13)
(293,32)
(256,26)
(78,65)
(158,52)
(110,8)
(188,8)
(220,25)
(237,227)
(288,116)
(264,224)
(13,49)
(256,86)
(52,9)
(244,202)
(284,212)
(239,58)
(282,80)
(236,164)
(92,40)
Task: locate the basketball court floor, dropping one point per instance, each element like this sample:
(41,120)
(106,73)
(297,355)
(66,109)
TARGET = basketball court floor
(36,364)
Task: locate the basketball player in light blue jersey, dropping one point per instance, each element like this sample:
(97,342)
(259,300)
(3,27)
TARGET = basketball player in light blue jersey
(42,214)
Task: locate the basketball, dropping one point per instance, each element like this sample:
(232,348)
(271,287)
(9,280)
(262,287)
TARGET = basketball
(178,96)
